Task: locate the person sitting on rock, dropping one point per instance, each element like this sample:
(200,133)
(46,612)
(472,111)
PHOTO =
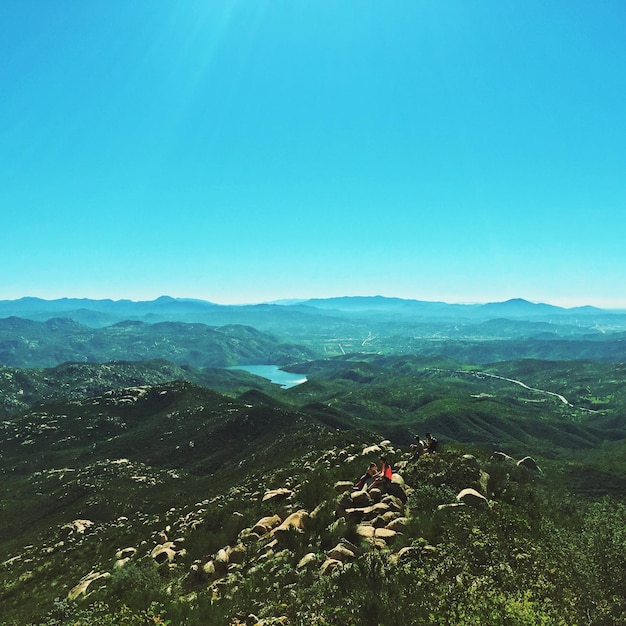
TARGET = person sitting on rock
(383,478)
(368,478)
(417,448)
(431,444)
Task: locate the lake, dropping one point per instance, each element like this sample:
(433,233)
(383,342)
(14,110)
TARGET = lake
(274,374)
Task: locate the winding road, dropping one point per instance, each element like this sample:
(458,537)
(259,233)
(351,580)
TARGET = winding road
(562,398)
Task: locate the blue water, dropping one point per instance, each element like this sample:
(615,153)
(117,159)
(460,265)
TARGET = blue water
(274,374)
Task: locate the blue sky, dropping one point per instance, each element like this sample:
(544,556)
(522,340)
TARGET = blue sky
(247,151)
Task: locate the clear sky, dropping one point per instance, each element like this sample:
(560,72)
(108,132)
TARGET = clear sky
(248,150)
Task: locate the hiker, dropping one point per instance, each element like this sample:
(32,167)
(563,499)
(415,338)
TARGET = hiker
(383,478)
(417,448)
(368,478)
(431,444)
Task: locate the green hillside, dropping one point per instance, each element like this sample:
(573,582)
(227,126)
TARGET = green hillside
(24,343)
(130,499)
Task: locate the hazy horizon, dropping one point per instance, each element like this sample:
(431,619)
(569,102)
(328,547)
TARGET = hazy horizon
(243,152)
(304,299)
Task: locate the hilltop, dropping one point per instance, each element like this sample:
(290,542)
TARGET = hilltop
(25,343)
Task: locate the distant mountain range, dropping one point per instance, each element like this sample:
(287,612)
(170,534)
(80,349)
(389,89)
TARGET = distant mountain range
(98,313)
(45,333)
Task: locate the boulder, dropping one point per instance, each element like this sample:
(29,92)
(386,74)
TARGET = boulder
(371,450)
(81,588)
(164,552)
(393,503)
(266,524)
(473,498)
(529,463)
(341,553)
(451,506)
(247,536)
(343,485)
(344,501)
(389,516)
(502,456)
(222,556)
(296,520)
(397,487)
(370,532)
(360,498)
(375,494)
(429,551)
(125,553)
(408,553)
(238,554)
(370,512)
(398,524)
(277,494)
(79,526)
(329,566)
(471,460)
(354,515)
(311,557)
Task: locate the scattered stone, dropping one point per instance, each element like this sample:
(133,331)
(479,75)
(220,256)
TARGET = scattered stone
(375,494)
(296,520)
(371,450)
(266,524)
(360,498)
(452,505)
(529,463)
(125,553)
(471,460)
(341,553)
(407,553)
(369,532)
(397,487)
(81,588)
(398,524)
(429,551)
(238,554)
(164,553)
(393,503)
(502,456)
(311,557)
(277,494)
(78,525)
(329,566)
(471,497)
(221,557)
(343,485)
(354,515)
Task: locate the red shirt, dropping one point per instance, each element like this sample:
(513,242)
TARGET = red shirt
(387,471)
